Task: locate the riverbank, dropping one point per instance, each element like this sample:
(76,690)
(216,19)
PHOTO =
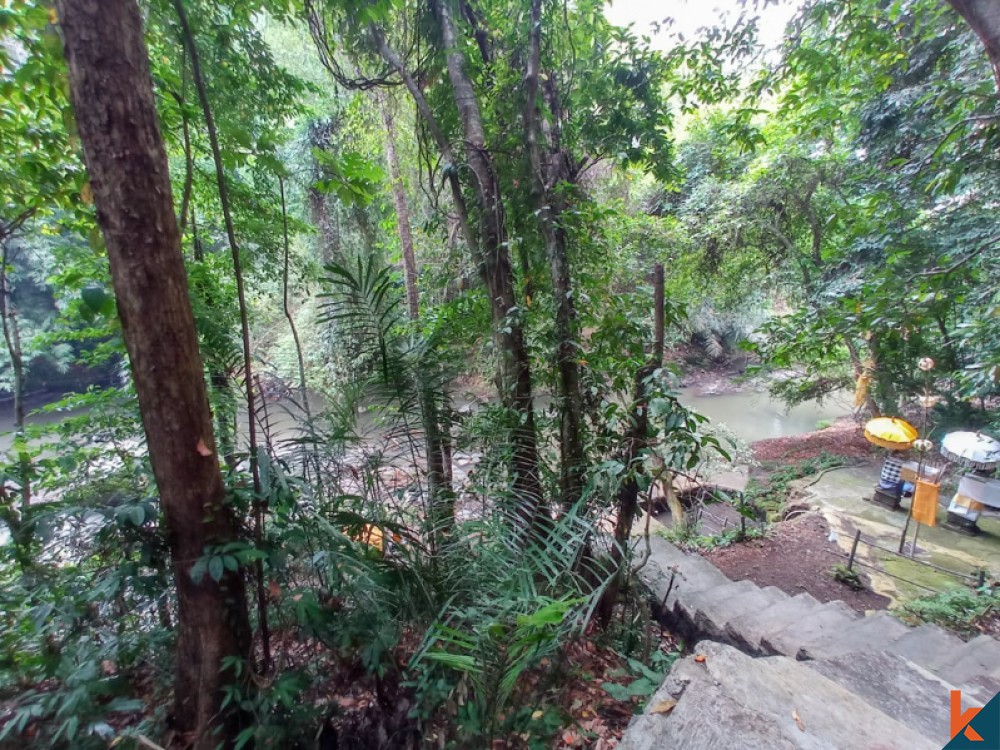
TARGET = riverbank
(799,551)
(844,437)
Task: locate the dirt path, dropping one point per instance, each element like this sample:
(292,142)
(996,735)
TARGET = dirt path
(844,437)
(796,556)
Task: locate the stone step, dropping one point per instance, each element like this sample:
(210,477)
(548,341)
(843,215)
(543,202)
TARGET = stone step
(670,573)
(977,659)
(726,700)
(896,687)
(694,606)
(813,628)
(748,630)
(928,646)
(872,633)
(981,688)
(714,616)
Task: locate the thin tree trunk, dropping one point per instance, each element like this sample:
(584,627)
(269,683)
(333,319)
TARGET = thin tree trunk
(636,441)
(188,155)
(498,276)
(286,306)
(12,337)
(220,172)
(658,314)
(859,370)
(946,342)
(427,115)
(217,378)
(17,518)
(438,482)
(546,175)
(112,95)
(328,226)
(402,206)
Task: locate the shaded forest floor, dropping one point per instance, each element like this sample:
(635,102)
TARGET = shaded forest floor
(796,556)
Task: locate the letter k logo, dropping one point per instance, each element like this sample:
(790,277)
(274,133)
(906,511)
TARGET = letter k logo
(960,720)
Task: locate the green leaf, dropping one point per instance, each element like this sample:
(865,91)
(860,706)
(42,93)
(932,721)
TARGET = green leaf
(216,567)
(94,297)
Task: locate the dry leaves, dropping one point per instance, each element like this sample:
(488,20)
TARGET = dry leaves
(798,720)
(274,590)
(701,658)
(664,707)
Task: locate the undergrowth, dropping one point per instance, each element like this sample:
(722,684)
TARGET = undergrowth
(690,538)
(770,494)
(963,610)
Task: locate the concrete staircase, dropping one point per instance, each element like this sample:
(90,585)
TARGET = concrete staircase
(871,671)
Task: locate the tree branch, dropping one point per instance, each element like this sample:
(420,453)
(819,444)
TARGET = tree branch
(958,263)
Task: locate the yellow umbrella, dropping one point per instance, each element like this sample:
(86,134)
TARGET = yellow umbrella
(890,432)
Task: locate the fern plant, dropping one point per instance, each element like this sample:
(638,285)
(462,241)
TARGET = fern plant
(510,606)
(399,367)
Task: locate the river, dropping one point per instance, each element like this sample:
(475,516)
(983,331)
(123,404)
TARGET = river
(751,415)
(755,415)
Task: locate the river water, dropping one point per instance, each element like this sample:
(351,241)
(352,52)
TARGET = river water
(751,415)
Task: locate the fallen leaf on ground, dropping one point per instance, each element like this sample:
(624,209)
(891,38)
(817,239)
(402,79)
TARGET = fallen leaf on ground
(664,706)
(798,720)
(701,658)
(570,738)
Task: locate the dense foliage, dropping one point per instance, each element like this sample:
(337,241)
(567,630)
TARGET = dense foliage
(424,245)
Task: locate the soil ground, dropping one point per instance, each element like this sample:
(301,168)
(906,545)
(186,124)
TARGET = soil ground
(796,556)
(845,437)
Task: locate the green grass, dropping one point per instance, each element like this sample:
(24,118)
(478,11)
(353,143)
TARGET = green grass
(770,494)
(960,610)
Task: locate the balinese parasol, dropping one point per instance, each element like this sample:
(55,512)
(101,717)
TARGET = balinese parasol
(972,449)
(890,432)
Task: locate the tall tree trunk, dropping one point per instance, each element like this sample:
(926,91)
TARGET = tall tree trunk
(859,370)
(659,313)
(546,174)
(636,441)
(984,18)
(112,96)
(497,274)
(435,436)
(16,518)
(401,205)
(223,187)
(307,450)
(328,226)
(188,154)
(444,146)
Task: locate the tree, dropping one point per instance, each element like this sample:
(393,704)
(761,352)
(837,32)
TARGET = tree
(112,96)
(984,18)
(401,205)
(549,178)
(40,174)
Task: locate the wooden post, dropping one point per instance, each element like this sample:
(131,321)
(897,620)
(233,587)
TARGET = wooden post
(906,526)
(854,550)
(981,581)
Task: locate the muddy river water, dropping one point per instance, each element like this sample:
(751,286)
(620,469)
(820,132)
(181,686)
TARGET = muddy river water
(754,415)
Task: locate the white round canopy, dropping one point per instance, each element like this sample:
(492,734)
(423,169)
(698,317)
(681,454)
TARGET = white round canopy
(972,449)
